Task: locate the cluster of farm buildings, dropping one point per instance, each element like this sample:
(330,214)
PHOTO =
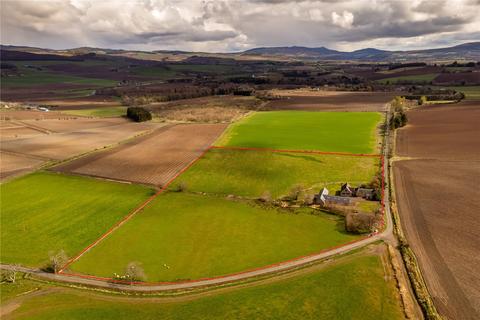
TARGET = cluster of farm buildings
(345,197)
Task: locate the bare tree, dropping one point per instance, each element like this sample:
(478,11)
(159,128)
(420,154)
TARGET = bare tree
(57,261)
(266,197)
(135,272)
(10,275)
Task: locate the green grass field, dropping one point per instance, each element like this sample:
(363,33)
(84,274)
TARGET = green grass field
(471,92)
(99,112)
(45,212)
(33,77)
(350,289)
(251,173)
(202,236)
(352,132)
(421,78)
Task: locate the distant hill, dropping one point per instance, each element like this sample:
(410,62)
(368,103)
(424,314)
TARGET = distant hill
(467,51)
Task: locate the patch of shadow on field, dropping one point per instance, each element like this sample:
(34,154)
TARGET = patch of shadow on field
(431,200)
(301,156)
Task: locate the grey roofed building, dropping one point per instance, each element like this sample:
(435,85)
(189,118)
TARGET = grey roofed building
(323,199)
(346,190)
(338,200)
(365,193)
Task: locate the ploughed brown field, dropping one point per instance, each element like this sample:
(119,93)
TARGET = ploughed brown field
(152,159)
(438,199)
(28,144)
(333,101)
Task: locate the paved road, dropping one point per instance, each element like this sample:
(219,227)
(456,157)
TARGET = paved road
(386,235)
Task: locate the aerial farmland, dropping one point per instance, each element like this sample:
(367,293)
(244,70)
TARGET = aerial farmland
(204,173)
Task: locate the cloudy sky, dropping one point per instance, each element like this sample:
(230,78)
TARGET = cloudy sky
(234,25)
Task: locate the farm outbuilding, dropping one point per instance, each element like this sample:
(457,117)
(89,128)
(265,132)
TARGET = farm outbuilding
(324,199)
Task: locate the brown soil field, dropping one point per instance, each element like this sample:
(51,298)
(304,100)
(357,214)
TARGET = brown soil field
(13,164)
(39,92)
(87,102)
(30,114)
(442,131)
(333,101)
(438,201)
(152,159)
(372,75)
(458,78)
(69,139)
(212,109)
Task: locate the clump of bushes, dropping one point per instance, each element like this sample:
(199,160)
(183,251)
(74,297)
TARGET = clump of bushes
(138,114)
(359,222)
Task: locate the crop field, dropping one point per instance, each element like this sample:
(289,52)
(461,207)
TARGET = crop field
(26,144)
(191,236)
(419,78)
(14,164)
(45,212)
(99,112)
(358,287)
(152,159)
(251,173)
(329,100)
(457,135)
(66,139)
(353,132)
(33,77)
(436,202)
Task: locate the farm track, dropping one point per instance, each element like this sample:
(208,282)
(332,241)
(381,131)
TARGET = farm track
(435,202)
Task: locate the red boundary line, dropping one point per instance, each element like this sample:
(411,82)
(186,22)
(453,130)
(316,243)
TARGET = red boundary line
(132,213)
(145,203)
(373,155)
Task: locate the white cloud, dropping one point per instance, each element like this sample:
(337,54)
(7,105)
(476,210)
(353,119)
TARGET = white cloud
(345,20)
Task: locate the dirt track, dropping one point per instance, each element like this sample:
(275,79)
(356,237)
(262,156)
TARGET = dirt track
(333,101)
(439,202)
(153,159)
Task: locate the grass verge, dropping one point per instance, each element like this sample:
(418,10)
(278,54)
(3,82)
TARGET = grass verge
(355,288)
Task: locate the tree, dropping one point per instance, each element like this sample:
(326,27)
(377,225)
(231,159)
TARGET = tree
(138,114)
(10,275)
(135,272)
(266,197)
(295,192)
(57,261)
(422,100)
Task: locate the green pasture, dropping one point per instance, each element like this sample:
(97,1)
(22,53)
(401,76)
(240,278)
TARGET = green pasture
(353,132)
(421,78)
(32,77)
(190,236)
(45,212)
(251,173)
(471,92)
(99,112)
(355,288)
